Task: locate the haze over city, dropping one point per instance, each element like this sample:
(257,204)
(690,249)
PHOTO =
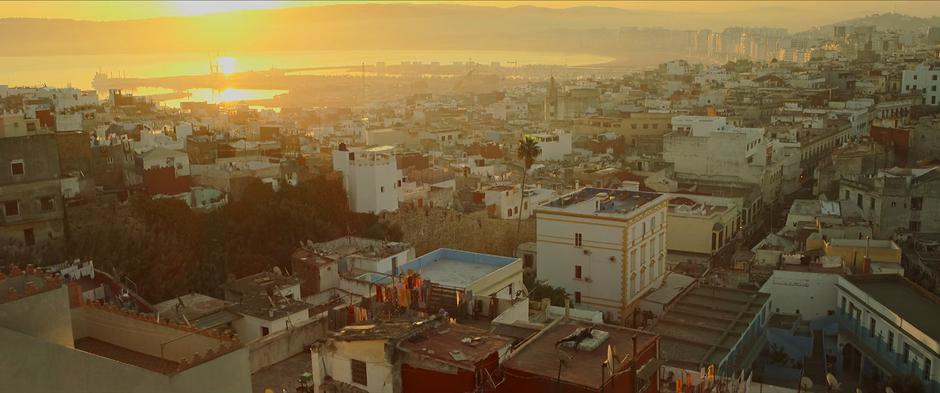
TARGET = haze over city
(434,196)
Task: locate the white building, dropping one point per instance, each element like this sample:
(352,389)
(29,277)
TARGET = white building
(555,146)
(888,326)
(709,147)
(605,247)
(923,79)
(371,178)
(160,157)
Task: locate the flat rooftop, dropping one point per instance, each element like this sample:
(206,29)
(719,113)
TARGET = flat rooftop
(705,324)
(258,283)
(444,343)
(454,268)
(540,355)
(815,207)
(913,303)
(601,200)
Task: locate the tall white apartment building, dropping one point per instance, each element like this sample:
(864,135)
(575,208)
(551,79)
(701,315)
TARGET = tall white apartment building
(923,79)
(371,178)
(606,247)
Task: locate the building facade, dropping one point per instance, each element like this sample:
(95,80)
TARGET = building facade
(605,247)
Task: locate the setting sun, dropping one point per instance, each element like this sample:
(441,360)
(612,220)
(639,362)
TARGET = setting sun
(226,64)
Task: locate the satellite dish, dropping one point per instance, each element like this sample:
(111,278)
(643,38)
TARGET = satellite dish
(888,389)
(806,383)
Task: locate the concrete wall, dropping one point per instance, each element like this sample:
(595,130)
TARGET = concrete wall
(382,377)
(140,335)
(812,294)
(43,315)
(249,327)
(30,364)
(284,344)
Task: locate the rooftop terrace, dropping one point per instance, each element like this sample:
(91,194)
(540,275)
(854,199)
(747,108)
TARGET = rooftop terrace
(453,268)
(601,200)
(540,355)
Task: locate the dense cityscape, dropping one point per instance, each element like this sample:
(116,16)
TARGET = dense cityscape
(729,209)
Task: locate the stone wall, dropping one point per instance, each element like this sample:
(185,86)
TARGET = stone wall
(430,229)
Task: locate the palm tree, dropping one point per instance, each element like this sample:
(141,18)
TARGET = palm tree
(528,151)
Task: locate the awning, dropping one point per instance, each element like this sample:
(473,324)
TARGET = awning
(650,368)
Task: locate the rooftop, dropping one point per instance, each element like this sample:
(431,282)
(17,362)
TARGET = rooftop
(911,302)
(460,344)
(540,355)
(259,283)
(379,330)
(23,283)
(601,200)
(815,207)
(454,268)
(705,324)
(269,307)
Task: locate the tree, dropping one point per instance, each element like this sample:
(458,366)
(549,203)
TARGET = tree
(528,151)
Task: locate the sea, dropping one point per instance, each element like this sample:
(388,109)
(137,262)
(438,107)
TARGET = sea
(79,70)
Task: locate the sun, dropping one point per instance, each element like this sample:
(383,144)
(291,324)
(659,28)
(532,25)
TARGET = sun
(226,64)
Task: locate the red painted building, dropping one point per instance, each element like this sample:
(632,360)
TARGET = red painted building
(541,365)
(453,358)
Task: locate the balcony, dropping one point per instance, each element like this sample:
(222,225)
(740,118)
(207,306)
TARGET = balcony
(876,350)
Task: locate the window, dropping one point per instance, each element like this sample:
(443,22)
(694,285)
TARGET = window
(527,261)
(358,370)
(382,189)
(577,271)
(30,127)
(917,203)
(926,368)
(847,196)
(914,226)
(890,341)
(871,327)
(17,168)
(47,204)
(858,201)
(265,331)
(29,236)
(907,353)
(577,240)
(577,297)
(11,208)
(934,77)
(509,212)
(843,304)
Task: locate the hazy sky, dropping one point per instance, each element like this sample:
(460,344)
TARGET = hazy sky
(815,12)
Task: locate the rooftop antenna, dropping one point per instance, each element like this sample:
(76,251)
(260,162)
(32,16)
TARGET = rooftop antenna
(363,82)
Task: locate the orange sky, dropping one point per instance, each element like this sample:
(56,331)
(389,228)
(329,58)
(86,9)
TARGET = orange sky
(120,10)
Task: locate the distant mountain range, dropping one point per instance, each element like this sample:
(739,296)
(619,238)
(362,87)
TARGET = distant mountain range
(892,21)
(387,26)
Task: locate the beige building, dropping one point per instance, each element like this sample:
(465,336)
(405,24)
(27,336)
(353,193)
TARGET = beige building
(54,342)
(632,127)
(701,225)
